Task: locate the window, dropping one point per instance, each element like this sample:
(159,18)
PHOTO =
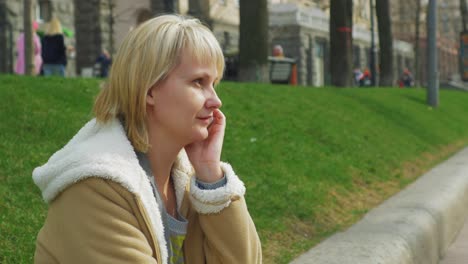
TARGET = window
(43,11)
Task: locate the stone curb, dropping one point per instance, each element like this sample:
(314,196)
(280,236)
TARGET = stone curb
(417,225)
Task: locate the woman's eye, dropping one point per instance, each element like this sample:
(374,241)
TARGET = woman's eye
(198,82)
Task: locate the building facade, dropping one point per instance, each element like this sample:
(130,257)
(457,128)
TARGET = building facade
(102,24)
(300,26)
(303,32)
(449,26)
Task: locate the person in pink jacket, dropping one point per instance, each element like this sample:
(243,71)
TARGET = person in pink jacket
(20,62)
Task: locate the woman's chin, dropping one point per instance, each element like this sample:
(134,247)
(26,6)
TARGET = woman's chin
(200,135)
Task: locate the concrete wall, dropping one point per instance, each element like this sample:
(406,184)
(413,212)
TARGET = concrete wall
(415,226)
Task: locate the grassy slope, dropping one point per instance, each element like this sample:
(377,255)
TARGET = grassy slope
(323,156)
(37,116)
(313,160)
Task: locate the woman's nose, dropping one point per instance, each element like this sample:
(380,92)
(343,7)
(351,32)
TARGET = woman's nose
(213,101)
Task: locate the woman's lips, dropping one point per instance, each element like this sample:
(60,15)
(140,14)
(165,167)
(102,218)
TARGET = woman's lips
(206,119)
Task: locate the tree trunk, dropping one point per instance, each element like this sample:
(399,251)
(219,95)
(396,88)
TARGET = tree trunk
(341,42)
(28,38)
(88,35)
(253,41)
(169,6)
(111,4)
(162,6)
(464,14)
(385,42)
(416,67)
(5,49)
(201,10)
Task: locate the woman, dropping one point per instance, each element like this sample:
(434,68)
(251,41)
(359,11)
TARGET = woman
(54,52)
(20,67)
(143,182)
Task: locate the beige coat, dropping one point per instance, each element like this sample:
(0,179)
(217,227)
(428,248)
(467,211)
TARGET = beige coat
(102,209)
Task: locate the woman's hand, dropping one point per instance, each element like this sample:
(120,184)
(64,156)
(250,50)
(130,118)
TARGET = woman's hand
(205,155)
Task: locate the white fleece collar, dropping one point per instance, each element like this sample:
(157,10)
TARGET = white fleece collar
(104,151)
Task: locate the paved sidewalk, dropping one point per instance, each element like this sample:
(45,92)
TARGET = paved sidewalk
(416,226)
(457,253)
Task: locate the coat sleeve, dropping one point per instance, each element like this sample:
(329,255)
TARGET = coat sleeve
(63,50)
(37,45)
(229,233)
(91,222)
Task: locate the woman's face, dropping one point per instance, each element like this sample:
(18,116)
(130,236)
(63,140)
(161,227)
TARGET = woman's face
(182,106)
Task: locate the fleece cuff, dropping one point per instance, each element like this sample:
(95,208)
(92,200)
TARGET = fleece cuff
(215,200)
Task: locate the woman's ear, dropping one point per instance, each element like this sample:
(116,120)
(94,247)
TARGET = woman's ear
(151,96)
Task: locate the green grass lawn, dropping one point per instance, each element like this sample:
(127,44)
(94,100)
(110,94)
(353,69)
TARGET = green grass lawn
(314,160)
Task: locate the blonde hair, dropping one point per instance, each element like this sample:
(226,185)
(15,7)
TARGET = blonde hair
(54,27)
(145,58)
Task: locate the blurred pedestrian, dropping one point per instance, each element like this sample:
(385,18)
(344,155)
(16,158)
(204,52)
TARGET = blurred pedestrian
(104,60)
(358,75)
(365,79)
(54,52)
(20,66)
(407,78)
(278,51)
